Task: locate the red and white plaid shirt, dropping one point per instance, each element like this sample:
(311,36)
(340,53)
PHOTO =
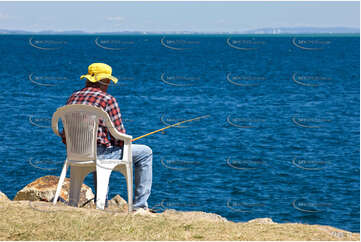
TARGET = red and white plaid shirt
(96,97)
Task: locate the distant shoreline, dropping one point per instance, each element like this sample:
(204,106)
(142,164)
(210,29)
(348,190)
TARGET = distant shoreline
(268,31)
(193,34)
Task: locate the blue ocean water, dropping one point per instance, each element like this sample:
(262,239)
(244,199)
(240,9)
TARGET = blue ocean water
(281,139)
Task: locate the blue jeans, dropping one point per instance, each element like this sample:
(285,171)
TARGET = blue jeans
(142,159)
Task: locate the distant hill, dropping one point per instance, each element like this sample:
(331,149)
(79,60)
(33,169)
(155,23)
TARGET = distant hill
(6,31)
(273,30)
(303,30)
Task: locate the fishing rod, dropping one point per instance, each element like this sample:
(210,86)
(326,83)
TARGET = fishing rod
(170,126)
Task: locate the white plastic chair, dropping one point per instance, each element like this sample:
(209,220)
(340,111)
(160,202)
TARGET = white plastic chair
(80,123)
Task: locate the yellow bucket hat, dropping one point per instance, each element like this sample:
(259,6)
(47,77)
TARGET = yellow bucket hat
(99,71)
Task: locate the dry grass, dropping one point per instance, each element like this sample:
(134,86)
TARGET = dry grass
(22,220)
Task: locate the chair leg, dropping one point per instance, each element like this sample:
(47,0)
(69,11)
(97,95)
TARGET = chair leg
(60,182)
(103,175)
(129,177)
(77,175)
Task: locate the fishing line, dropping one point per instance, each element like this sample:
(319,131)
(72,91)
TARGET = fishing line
(170,126)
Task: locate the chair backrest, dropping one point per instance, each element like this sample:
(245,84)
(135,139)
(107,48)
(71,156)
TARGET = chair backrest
(80,129)
(80,123)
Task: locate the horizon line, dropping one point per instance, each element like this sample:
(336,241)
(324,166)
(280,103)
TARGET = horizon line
(264,30)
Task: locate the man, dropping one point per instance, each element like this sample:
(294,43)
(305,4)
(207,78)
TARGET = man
(95,93)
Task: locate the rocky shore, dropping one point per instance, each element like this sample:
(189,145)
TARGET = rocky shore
(31,216)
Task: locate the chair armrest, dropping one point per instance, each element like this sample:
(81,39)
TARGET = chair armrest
(54,123)
(116,134)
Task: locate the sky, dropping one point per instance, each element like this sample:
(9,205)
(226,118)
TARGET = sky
(175,16)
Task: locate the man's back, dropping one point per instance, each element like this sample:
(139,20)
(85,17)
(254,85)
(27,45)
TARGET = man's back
(96,97)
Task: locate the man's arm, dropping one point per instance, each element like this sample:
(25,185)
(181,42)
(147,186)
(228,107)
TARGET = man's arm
(115,116)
